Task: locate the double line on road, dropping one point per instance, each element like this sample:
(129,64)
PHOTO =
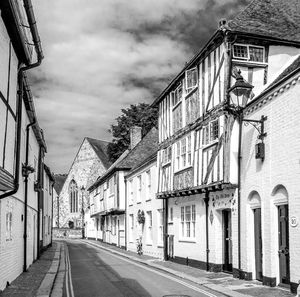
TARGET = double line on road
(68,279)
(154,271)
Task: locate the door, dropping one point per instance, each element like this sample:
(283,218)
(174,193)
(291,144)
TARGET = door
(258,243)
(283,238)
(227,243)
(170,246)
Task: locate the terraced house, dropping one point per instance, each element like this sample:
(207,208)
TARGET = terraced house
(200,134)
(23,216)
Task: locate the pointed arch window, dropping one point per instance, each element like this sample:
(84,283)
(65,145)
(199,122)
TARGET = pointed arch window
(73,196)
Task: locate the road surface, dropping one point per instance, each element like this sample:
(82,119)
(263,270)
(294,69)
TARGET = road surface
(93,272)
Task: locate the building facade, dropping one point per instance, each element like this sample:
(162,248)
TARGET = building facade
(90,161)
(144,213)
(108,193)
(270,187)
(198,157)
(22,144)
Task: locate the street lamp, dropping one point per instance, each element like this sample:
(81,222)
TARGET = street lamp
(239,94)
(82,211)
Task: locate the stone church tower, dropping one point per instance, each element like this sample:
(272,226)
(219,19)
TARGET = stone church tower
(90,162)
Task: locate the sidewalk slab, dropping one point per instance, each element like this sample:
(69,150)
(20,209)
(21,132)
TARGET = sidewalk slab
(220,282)
(28,283)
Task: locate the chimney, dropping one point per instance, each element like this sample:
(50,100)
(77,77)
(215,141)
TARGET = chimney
(135,136)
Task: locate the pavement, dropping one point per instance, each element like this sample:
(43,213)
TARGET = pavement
(45,276)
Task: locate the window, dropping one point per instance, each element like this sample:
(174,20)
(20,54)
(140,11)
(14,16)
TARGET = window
(249,53)
(211,133)
(149,227)
(139,189)
(191,77)
(148,185)
(183,153)
(177,118)
(177,95)
(192,109)
(130,193)
(214,130)
(170,215)
(131,226)
(73,196)
(160,226)
(9,225)
(188,221)
(166,155)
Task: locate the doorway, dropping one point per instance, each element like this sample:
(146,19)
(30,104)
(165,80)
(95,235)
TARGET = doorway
(283,239)
(227,241)
(258,243)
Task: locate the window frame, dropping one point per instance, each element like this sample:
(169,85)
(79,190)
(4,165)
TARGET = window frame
(188,221)
(242,59)
(187,72)
(184,156)
(206,132)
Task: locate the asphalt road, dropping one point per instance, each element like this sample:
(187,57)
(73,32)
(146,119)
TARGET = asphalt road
(94,272)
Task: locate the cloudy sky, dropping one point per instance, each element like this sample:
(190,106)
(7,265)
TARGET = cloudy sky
(101,56)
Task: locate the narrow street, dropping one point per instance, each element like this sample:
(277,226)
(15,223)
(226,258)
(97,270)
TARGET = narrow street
(95,272)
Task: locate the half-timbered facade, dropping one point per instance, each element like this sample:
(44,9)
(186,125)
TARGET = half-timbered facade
(199,136)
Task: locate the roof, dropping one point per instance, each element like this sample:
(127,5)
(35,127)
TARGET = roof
(101,149)
(49,173)
(59,180)
(273,18)
(132,158)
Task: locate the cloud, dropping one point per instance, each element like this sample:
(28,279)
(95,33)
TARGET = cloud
(101,56)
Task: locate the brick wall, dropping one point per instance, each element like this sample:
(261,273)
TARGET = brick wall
(275,180)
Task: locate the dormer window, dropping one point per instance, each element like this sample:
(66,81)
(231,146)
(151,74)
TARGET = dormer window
(249,53)
(191,77)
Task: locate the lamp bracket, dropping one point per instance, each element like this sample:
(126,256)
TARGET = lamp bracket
(258,125)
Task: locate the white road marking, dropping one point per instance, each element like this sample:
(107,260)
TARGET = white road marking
(68,275)
(155,271)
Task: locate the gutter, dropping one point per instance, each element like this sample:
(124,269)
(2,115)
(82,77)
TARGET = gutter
(21,70)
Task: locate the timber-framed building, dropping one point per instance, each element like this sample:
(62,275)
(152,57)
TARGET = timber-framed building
(198,162)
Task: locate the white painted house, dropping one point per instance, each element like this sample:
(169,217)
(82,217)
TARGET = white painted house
(22,144)
(270,205)
(144,213)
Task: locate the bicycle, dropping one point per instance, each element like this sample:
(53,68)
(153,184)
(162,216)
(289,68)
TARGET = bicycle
(139,245)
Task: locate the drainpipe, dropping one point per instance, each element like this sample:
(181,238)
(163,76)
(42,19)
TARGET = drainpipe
(165,227)
(58,211)
(125,220)
(21,70)
(52,186)
(206,200)
(240,119)
(26,174)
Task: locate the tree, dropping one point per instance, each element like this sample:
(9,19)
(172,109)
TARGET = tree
(142,115)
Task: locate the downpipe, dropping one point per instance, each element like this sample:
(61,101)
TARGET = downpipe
(165,228)
(206,200)
(25,173)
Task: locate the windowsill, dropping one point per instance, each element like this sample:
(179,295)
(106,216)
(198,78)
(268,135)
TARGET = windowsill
(160,245)
(191,92)
(183,169)
(166,164)
(148,200)
(177,104)
(170,223)
(139,202)
(252,63)
(187,240)
(149,244)
(206,146)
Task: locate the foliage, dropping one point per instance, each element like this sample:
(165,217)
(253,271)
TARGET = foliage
(142,115)
(141,217)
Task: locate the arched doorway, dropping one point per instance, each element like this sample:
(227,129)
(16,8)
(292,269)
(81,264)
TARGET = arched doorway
(254,201)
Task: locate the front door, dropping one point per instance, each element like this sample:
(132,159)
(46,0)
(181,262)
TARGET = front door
(227,266)
(258,243)
(283,238)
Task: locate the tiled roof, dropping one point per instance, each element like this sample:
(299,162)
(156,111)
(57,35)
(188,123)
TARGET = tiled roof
(100,148)
(59,180)
(274,18)
(131,158)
